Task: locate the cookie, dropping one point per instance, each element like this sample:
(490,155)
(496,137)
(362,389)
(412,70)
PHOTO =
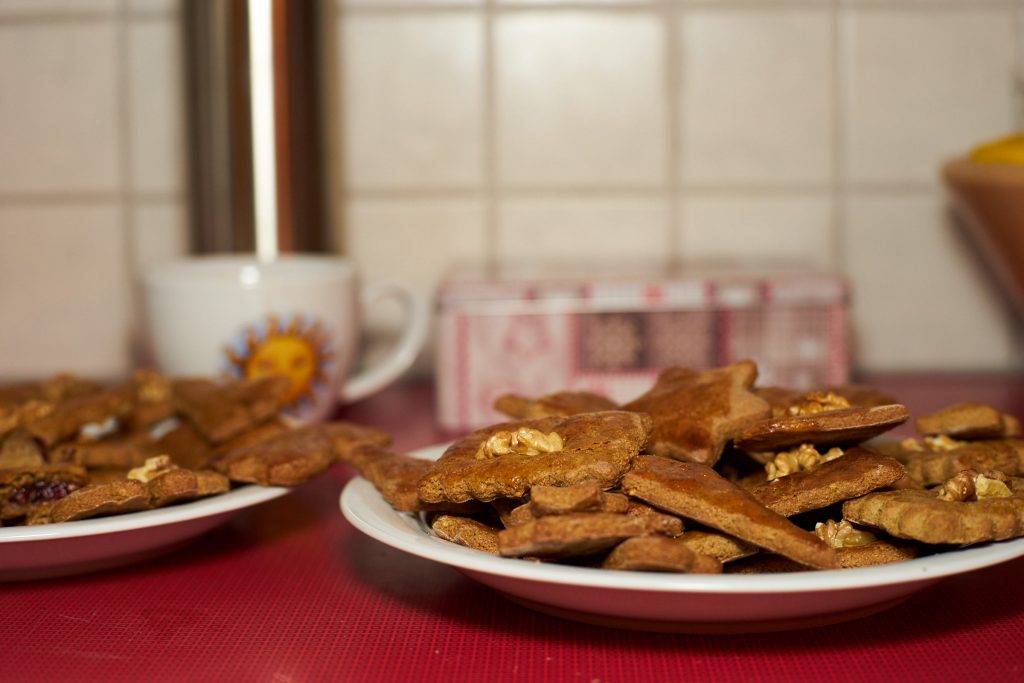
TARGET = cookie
(23,488)
(856,473)
(722,547)
(97,500)
(699,493)
(184,444)
(222,410)
(119,452)
(18,414)
(968,421)
(293,457)
(584,497)
(558,404)
(154,400)
(69,416)
(51,390)
(394,475)
(930,467)
(580,533)
(861,548)
(466,532)
(846,426)
(19,449)
(659,554)
(504,461)
(696,413)
(968,508)
(167,483)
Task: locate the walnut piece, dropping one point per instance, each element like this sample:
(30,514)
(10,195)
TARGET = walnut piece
(843,534)
(970,485)
(152,468)
(819,402)
(801,458)
(523,441)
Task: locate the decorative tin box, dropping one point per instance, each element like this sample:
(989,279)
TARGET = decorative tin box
(502,332)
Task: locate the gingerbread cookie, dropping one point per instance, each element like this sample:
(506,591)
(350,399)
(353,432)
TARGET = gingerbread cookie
(696,413)
(97,500)
(153,398)
(969,508)
(394,475)
(167,483)
(722,547)
(660,554)
(854,474)
(466,532)
(504,461)
(580,533)
(222,410)
(21,489)
(941,458)
(558,404)
(19,449)
(844,426)
(698,492)
(861,548)
(969,421)
(69,416)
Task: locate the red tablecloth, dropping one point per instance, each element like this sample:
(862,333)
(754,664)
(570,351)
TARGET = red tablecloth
(289,591)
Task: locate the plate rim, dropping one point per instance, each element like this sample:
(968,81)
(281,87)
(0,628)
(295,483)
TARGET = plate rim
(236,499)
(925,569)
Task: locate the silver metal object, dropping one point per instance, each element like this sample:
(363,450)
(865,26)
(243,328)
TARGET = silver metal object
(256,171)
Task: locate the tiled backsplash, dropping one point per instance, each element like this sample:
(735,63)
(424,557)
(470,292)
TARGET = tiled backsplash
(805,130)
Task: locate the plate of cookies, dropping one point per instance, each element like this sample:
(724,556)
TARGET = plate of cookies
(706,505)
(93,477)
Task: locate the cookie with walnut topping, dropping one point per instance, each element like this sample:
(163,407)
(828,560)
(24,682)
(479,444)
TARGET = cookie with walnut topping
(969,421)
(506,460)
(839,427)
(969,508)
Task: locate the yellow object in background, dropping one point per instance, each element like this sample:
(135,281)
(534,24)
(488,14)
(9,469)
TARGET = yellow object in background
(1007,150)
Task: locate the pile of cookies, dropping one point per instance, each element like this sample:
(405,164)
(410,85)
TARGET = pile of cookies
(707,472)
(71,449)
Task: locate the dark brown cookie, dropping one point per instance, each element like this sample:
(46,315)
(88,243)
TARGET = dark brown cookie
(222,410)
(698,492)
(580,533)
(660,554)
(847,426)
(23,488)
(855,473)
(592,446)
(696,413)
(558,404)
(466,532)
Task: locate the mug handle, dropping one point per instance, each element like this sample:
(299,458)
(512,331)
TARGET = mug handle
(403,353)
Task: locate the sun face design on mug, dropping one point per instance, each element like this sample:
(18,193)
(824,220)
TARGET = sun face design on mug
(294,347)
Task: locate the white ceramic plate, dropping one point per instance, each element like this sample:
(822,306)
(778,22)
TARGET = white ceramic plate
(671,602)
(48,550)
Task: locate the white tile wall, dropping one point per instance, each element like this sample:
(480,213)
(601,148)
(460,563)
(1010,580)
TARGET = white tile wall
(59,113)
(63,279)
(580,99)
(803,130)
(920,87)
(755,96)
(757,230)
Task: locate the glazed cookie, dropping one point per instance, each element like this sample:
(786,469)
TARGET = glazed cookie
(505,460)
(696,413)
(660,554)
(843,426)
(969,421)
(854,474)
(580,533)
(699,493)
(466,532)
(559,404)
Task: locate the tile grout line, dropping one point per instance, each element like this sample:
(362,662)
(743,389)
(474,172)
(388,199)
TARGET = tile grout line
(126,200)
(674,73)
(838,179)
(489,147)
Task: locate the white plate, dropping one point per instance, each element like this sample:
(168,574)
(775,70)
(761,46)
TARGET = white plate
(48,550)
(671,602)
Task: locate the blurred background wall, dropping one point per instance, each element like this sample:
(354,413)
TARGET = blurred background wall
(805,130)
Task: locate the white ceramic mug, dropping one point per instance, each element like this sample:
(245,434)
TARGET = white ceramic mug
(298,316)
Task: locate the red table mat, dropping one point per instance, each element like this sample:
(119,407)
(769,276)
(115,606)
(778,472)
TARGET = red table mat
(289,591)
